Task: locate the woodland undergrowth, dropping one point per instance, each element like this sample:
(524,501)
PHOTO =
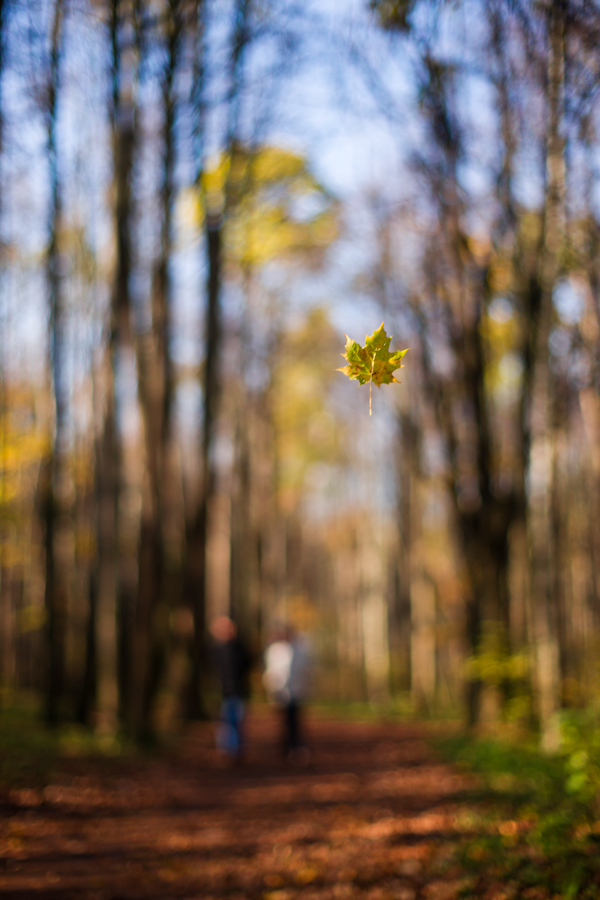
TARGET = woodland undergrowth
(31,753)
(535,818)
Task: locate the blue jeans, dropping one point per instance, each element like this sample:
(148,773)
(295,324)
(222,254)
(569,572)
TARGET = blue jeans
(229,733)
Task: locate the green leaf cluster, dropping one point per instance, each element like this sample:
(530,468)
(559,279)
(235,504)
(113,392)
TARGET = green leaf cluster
(535,825)
(373,363)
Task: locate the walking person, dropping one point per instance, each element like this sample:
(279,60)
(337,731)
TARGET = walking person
(286,679)
(231,664)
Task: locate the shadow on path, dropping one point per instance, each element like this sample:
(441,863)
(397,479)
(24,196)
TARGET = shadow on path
(374,816)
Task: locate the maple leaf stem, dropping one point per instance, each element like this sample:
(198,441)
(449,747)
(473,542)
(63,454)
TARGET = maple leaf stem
(371,384)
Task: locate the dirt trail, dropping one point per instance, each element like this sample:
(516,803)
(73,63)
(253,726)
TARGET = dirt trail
(373,816)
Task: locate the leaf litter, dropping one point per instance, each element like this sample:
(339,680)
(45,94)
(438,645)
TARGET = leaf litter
(375,816)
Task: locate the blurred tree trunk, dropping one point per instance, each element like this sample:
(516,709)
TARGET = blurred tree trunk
(2,30)
(112,684)
(589,401)
(374,614)
(5,570)
(458,298)
(458,288)
(194,561)
(8,583)
(423,672)
(6,574)
(590,412)
(485,528)
(400,614)
(483,516)
(560,521)
(214,216)
(55,474)
(88,694)
(245,490)
(83,518)
(270,533)
(195,583)
(243,544)
(542,549)
(418,595)
(156,387)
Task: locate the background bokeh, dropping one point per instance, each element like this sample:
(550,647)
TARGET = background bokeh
(198,198)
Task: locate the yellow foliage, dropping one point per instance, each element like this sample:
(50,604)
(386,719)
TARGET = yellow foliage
(18,449)
(22,446)
(274,164)
(492,663)
(257,191)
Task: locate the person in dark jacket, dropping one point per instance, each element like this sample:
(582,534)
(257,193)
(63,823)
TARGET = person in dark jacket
(231,664)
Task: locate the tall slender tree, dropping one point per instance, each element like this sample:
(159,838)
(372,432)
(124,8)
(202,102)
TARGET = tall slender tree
(56,475)
(113,615)
(541,450)
(156,388)
(215,211)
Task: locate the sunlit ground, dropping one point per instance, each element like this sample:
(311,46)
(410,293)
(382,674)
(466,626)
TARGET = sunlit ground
(375,814)
(383,811)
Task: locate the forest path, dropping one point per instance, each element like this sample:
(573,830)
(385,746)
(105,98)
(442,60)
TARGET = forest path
(373,816)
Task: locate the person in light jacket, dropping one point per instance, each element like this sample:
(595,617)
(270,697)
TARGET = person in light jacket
(286,679)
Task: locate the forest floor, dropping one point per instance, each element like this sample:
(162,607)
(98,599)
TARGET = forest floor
(374,815)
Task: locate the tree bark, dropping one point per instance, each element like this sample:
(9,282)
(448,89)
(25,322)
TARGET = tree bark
(542,555)
(56,587)
(400,614)
(111,625)
(458,286)
(156,388)
(196,536)
(195,583)
(6,636)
